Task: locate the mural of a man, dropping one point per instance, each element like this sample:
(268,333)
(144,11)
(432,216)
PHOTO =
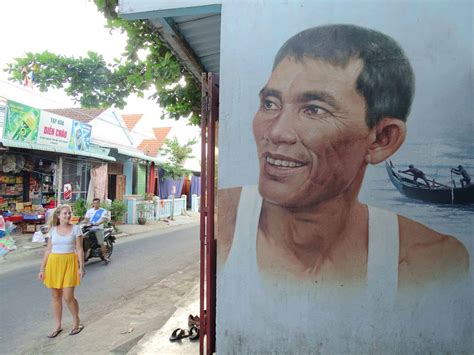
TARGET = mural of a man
(337,100)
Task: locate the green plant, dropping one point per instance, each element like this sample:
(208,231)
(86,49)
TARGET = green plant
(80,207)
(141,218)
(117,210)
(148,196)
(93,82)
(140,210)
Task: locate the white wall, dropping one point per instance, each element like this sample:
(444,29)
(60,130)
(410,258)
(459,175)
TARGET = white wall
(109,127)
(438,39)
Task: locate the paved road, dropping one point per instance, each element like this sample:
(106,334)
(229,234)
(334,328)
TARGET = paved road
(137,262)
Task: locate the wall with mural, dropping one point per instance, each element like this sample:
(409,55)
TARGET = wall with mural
(345,220)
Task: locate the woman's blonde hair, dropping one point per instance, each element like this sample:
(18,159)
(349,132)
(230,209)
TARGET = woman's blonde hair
(54,217)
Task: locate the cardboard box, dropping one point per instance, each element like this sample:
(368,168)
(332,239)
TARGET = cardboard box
(30,227)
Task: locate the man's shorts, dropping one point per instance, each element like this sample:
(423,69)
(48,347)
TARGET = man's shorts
(99,233)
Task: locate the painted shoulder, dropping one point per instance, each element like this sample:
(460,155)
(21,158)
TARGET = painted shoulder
(227,205)
(426,255)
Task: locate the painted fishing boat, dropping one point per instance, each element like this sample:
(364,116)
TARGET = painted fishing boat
(436,193)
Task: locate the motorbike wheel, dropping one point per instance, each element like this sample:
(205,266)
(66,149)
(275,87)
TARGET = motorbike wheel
(110,249)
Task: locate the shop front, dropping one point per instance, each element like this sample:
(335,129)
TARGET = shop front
(45,159)
(27,187)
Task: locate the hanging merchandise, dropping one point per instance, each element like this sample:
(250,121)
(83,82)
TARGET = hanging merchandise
(67,192)
(2,226)
(9,163)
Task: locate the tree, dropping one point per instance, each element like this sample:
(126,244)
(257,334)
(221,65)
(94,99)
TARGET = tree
(177,155)
(94,83)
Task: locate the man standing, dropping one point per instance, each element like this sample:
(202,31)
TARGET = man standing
(466,179)
(97,216)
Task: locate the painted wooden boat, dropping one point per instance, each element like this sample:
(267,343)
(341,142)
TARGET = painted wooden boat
(438,193)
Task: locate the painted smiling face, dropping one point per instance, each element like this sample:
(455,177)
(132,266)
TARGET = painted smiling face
(310,132)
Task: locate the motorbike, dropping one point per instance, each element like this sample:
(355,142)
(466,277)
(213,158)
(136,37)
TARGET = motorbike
(91,247)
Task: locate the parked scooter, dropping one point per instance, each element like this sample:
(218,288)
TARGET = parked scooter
(91,247)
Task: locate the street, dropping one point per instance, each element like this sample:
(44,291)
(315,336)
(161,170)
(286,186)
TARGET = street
(137,292)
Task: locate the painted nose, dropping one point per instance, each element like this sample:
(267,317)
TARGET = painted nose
(282,130)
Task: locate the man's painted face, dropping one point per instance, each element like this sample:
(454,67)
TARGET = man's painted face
(310,132)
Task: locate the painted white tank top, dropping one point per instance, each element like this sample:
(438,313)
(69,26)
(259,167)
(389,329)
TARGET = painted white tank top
(302,318)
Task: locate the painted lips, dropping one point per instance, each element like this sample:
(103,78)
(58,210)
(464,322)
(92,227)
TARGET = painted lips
(281,166)
(283,163)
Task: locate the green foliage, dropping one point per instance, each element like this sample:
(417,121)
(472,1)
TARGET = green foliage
(80,207)
(89,81)
(92,82)
(117,210)
(141,208)
(177,155)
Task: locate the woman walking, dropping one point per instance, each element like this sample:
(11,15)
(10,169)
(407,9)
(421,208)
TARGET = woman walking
(62,267)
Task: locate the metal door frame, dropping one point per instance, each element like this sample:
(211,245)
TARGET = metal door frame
(209,117)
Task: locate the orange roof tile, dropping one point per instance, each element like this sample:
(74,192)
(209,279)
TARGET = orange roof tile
(131,120)
(151,147)
(80,114)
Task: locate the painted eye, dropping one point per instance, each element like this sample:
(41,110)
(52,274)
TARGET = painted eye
(314,110)
(269,105)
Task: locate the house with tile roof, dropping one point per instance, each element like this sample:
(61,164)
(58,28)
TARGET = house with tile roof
(151,147)
(138,128)
(110,129)
(162,129)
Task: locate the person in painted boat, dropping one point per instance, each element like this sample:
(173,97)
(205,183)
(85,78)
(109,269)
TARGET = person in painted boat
(336,101)
(465,179)
(417,174)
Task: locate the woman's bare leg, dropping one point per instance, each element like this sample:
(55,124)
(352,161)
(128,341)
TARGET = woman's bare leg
(73,305)
(57,301)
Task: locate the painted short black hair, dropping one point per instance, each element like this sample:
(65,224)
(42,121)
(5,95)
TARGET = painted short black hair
(387,81)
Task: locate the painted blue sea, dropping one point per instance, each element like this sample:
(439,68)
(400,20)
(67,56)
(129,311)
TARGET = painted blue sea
(434,156)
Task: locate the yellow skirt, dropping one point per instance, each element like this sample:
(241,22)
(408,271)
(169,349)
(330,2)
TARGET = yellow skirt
(61,271)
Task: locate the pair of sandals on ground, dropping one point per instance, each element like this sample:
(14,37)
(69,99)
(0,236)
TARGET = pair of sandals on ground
(75,331)
(192,333)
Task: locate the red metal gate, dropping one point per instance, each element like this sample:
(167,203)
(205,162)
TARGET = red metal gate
(209,116)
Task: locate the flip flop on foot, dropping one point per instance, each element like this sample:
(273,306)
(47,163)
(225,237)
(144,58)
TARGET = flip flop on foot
(77,330)
(55,333)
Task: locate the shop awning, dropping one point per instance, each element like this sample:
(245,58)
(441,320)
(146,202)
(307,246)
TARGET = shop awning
(48,148)
(135,154)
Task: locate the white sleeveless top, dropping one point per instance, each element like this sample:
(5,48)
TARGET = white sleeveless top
(258,316)
(64,244)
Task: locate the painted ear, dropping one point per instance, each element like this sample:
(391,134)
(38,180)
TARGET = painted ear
(387,136)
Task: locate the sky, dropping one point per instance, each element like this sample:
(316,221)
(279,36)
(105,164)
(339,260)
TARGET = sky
(71,28)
